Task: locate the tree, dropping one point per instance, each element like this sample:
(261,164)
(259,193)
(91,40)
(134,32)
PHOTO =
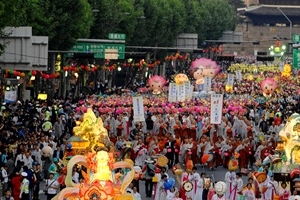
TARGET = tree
(11,14)
(63,21)
(219,17)
(114,16)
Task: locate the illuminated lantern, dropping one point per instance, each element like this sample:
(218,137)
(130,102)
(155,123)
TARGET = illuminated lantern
(229,88)
(156,84)
(189,165)
(204,67)
(287,69)
(268,87)
(78,142)
(33,72)
(181,79)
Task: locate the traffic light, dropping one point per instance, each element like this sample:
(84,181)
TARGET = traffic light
(57,66)
(58,63)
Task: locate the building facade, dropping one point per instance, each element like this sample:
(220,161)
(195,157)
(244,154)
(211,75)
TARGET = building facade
(265,23)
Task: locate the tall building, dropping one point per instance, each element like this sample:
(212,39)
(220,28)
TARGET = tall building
(265,22)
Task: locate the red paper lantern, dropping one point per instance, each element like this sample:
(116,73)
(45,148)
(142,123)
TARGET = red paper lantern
(47,76)
(124,64)
(33,72)
(15,72)
(82,66)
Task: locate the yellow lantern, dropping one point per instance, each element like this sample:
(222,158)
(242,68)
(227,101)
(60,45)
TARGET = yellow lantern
(287,69)
(78,142)
(229,88)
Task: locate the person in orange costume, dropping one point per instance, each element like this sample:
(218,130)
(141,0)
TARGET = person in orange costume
(177,128)
(194,157)
(192,129)
(266,151)
(217,149)
(243,151)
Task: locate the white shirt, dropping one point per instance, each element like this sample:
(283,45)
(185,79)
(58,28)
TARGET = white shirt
(19,158)
(28,162)
(136,196)
(4,175)
(51,184)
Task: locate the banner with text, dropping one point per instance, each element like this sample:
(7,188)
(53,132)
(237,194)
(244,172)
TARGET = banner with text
(239,75)
(172,92)
(188,90)
(181,92)
(10,96)
(216,107)
(207,83)
(138,109)
(230,79)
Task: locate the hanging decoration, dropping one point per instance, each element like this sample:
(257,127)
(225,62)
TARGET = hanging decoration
(24,74)
(177,56)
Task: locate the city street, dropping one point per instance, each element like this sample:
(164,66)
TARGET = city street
(217,175)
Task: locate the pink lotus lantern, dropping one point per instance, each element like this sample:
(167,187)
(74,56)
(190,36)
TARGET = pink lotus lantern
(169,150)
(180,153)
(84,109)
(250,152)
(176,150)
(140,153)
(226,154)
(190,153)
(170,105)
(77,109)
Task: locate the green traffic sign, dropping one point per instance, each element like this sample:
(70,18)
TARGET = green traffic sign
(116,36)
(296,38)
(296,59)
(97,49)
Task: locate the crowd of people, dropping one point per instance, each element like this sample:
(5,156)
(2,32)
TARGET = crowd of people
(180,132)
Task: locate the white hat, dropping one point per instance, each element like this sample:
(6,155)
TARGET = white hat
(24,174)
(149,160)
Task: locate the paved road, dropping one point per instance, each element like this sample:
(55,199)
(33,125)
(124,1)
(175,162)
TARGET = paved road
(217,174)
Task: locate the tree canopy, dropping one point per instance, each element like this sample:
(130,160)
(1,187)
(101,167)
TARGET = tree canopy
(145,22)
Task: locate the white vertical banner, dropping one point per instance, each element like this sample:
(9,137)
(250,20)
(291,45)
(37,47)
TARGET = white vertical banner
(10,96)
(181,92)
(239,75)
(138,109)
(207,83)
(230,79)
(172,92)
(187,88)
(216,106)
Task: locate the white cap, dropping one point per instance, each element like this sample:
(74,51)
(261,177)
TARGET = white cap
(24,174)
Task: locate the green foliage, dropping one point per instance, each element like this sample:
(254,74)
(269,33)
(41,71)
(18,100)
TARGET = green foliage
(11,14)
(145,22)
(63,21)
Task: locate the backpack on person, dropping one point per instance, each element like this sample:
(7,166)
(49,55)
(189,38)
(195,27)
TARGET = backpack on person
(150,171)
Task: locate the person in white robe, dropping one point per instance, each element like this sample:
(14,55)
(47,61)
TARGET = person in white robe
(272,186)
(160,192)
(218,197)
(284,192)
(171,193)
(229,178)
(238,187)
(200,185)
(194,177)
(249,193)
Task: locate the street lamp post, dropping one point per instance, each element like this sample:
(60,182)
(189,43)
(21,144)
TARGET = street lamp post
(291,24)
